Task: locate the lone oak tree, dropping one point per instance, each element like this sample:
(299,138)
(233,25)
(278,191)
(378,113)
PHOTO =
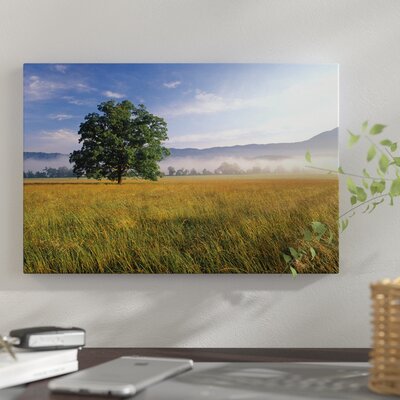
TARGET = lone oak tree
(122,139)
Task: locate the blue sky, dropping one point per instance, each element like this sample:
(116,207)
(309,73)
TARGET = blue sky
(205,105)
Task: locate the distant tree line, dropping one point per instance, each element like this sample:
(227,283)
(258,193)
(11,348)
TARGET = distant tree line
(61,172)
(224,169)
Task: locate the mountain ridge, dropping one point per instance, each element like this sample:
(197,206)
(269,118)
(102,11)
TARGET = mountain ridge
(324,142)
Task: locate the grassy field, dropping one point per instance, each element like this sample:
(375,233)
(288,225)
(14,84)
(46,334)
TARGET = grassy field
(199,224)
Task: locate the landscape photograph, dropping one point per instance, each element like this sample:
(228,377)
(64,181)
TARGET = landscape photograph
(180,168)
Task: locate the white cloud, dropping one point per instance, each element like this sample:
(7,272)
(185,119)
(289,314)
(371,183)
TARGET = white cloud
(115,95)
(210,103)
(172,84)
(294,114)
(40,89)
(37,88)
(58,141)
(60,117)
(82,87)
(77,102)
(60,134)
(60,68)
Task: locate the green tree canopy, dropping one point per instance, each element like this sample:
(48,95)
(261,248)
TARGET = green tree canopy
(120,139)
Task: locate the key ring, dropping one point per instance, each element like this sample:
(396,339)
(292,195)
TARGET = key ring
(6,343)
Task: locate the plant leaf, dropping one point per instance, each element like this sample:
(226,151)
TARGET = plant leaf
(397,161)
(386,142)
(364,126)
(393,147)
(318,227)
(374,204)
(365,184)
(313,253)
(307,235)
(366,209)
(287,258)
(395,188)
(383,163)
(366,174)
(294,253)
(361,194)
(351,186)
(377,129)
(308,156)
(340,170)
(371,153)
(379,172)
(293,271)
(353,200)
(353,139)
(345,224)
(330,237)
(377,186)
(373,187)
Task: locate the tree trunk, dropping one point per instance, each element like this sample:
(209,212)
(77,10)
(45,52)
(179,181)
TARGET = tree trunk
(119,178)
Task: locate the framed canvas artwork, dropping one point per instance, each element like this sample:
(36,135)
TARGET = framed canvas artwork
(180,168)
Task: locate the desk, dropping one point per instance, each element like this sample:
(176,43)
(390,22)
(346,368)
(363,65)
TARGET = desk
(89,357)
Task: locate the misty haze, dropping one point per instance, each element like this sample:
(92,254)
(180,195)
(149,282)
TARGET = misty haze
(252,158)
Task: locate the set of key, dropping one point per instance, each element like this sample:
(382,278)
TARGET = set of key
(43,338)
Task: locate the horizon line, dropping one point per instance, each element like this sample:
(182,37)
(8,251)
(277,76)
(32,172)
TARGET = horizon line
(205,148)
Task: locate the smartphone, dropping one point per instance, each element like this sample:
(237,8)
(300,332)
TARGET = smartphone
(122,377)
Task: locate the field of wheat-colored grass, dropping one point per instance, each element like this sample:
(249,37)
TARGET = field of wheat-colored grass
(199,224)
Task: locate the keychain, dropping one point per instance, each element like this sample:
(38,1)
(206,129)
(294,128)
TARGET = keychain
(7,346)
(43,338)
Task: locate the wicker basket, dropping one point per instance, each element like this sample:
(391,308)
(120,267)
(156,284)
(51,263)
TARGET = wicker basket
(385,355)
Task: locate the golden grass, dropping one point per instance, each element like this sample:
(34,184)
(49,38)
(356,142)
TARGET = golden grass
(176,225)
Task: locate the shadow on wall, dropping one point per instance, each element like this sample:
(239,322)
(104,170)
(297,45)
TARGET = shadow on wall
(162,310)
(200,310)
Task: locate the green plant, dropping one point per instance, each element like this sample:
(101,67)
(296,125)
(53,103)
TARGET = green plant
(318,232)
(377,183)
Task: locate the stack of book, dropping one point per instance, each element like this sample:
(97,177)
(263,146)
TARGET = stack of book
(31,366)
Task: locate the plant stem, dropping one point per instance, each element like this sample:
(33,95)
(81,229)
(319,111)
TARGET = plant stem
(349,174)
(363,203)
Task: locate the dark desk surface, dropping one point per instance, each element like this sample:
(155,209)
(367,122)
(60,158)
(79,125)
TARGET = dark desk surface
(89,357)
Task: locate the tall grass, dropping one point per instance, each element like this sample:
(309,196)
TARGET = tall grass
(176,225)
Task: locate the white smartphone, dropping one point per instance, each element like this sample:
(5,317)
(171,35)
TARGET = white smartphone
(122,377)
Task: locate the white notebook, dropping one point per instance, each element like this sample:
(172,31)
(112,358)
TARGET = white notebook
(34,365)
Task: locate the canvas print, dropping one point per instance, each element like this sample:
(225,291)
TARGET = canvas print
(180,168)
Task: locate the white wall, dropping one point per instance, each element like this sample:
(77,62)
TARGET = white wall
(244,311)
